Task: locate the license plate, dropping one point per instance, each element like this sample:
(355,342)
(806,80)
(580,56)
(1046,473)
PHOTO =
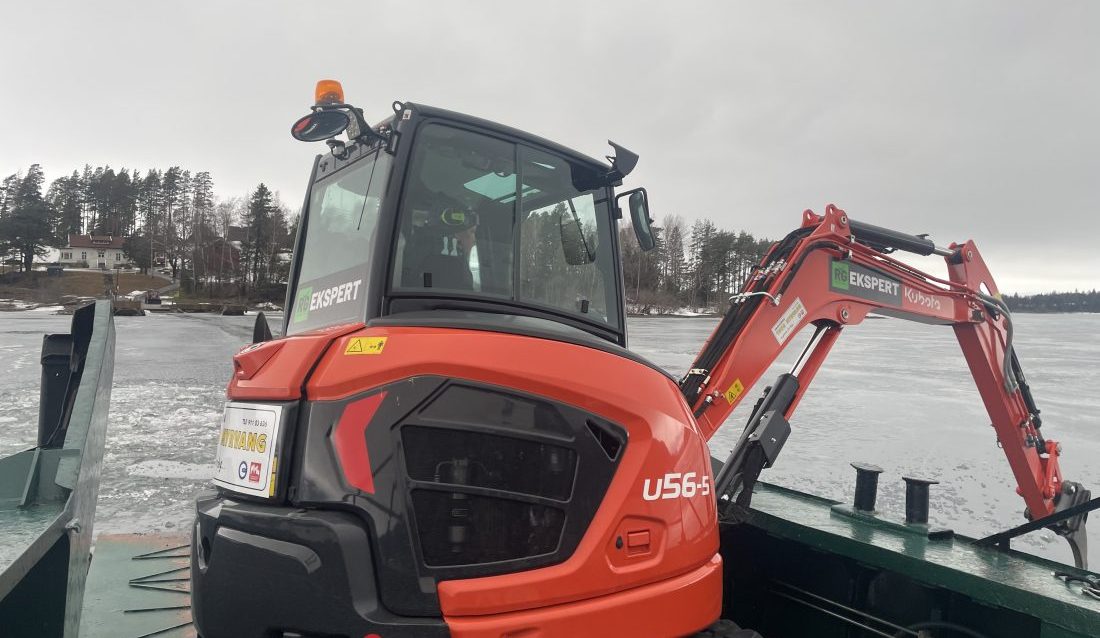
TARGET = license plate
(246,456)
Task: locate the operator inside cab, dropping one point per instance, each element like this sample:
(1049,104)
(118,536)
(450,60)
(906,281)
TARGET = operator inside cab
(442,251)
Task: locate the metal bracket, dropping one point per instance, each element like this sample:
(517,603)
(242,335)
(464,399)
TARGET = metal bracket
(1068,521)
(745,295)
(1090,584)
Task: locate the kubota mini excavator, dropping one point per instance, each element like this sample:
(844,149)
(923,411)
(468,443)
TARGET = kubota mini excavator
(451,438)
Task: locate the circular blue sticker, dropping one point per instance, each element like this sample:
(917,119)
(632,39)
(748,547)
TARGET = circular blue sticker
(242,470)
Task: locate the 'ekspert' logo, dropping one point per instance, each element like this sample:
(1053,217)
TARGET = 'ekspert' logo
(868,283)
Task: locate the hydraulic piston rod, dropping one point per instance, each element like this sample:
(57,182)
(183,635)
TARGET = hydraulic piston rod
(877,236)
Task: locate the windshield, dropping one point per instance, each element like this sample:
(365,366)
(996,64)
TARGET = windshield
(339,226)
(489,218)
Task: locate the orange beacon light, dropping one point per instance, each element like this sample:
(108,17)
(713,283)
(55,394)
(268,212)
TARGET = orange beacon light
(329,92)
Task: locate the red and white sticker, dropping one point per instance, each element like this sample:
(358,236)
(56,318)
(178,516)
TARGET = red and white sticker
(246,448)
(787,323)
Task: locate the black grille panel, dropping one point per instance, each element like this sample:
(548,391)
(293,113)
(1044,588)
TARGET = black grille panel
(470,480)
(464,529)
(477,459)
(500,480)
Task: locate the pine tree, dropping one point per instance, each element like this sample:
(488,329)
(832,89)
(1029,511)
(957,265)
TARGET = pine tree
(150,203)
(8,188)
(26,230)
(701,262)
(672,255)
(123,203)
(87,212)
(176,186)
(202,231)
(259,224)
(66,196)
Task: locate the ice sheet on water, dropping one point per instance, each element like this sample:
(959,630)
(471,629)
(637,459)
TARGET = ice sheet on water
(899,395)
(165,469)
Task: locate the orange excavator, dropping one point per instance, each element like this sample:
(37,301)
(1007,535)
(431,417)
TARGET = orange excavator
(451,437)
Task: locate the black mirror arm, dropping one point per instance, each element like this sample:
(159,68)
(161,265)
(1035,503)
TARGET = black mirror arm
(363,131)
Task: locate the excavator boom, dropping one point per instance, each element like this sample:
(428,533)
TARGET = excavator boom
(831,273)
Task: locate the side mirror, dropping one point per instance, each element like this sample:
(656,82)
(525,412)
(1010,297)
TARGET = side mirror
(573,242)
(261,331)
(320,125)
(639,216)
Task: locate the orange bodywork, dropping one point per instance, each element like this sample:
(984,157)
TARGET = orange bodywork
(670,607)
(650,563)
(277,370)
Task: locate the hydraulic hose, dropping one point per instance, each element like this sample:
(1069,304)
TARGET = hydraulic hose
(734,320)
(1001,307)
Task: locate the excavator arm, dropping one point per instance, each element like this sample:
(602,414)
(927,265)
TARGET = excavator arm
(831,273)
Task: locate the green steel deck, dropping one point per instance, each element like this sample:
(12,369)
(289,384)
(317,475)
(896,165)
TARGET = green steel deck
(139,587)
(1011,580)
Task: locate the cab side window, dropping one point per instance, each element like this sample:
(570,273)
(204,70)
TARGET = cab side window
(558,210)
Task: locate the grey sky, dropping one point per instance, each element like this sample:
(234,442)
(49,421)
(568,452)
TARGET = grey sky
(973,119)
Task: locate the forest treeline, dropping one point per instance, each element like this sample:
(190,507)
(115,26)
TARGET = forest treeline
(169,217)
(698,266)
(1055,302)
(239,245)
(701,266)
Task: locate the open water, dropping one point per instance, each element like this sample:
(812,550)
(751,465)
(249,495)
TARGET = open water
(892,393)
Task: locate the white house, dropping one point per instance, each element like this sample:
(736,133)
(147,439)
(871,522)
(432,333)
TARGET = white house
(93,251)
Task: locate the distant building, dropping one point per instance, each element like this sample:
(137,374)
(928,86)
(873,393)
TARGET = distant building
(94,251)
(217,258)
(237,235)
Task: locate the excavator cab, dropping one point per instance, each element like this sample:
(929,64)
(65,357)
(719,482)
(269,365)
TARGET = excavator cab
(437,210)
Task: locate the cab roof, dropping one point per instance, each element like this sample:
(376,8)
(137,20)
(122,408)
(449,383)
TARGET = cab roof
(423,110)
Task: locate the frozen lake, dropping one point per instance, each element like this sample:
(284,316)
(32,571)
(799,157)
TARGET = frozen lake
(892,393)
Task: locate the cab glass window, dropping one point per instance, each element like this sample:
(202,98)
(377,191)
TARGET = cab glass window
(483,217)
(458,215)
(340,224)
(565,240)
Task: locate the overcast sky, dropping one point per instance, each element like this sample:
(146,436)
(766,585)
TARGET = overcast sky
(960,119)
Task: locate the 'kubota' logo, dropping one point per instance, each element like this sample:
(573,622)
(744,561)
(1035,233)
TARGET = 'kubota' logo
(675,485)
(919,298)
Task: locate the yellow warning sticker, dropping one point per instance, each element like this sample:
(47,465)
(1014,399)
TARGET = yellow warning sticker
(365,345)
(735,391)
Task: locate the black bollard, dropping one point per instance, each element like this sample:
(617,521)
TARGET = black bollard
(916,499)
(866,486)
